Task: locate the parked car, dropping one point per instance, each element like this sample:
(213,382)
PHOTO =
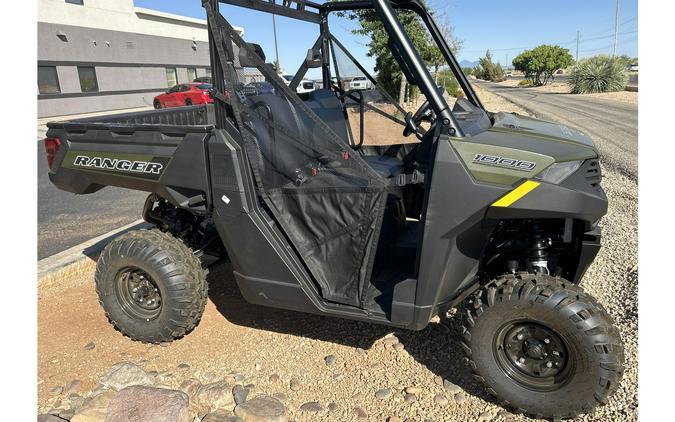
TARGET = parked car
(204,79)
(263,88)
(184,95)
(305,86)
(359,82)
(287,79)
(632,67)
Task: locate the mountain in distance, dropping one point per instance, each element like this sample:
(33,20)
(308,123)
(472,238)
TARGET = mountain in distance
(467,63)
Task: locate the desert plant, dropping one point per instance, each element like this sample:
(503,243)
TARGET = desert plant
(540,63)
(598,74)
(489,71)
(525,83)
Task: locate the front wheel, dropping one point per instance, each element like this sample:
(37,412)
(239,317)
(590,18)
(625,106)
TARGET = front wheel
(151,286)
(157,104)
(188,102)
(543,346)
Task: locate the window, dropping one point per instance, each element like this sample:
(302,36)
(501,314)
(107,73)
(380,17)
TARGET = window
(173,89)
(208,71)
(88,82)
(48,80)
(192,74)
(80,2)
(171,78)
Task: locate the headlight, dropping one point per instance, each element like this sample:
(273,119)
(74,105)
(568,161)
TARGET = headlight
(558,172)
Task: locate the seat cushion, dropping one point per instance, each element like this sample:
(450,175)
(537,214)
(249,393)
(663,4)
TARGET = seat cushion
(385,166)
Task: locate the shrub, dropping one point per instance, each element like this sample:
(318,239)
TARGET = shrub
(525,83)
(489,71)
(540,63)
(598,74)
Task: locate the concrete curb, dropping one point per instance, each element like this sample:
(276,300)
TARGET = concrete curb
(85,250)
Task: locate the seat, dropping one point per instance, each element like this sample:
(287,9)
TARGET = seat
(385,166)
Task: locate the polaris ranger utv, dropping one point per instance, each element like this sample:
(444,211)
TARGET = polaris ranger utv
(497,212)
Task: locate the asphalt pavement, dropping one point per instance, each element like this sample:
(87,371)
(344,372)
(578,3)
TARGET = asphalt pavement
(612,125)
(66,219)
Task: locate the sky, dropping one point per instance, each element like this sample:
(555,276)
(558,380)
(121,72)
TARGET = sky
(506,28)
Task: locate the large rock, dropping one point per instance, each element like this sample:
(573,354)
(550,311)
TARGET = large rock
(46,417)
(125,374)
(214,396)
(262,409)
(94,410)
(147,404)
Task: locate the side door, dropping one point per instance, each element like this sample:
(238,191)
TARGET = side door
(172,93)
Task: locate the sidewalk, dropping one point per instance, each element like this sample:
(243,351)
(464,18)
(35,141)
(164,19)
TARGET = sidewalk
(42,122)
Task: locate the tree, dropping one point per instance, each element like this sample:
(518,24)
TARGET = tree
(389,75)
(542,61)
(487,70)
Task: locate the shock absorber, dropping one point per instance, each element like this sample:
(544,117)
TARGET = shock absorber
(538,257)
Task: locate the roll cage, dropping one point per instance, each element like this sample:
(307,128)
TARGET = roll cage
(402,47)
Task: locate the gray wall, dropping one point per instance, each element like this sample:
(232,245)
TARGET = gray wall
(130,68)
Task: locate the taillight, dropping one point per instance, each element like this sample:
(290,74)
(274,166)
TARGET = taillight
(52,146)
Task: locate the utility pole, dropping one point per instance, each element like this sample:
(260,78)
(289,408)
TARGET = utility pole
(616,28)
(276,46)
(577,59)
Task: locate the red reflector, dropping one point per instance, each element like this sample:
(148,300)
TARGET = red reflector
(315,171)
(345,155)
(52,146)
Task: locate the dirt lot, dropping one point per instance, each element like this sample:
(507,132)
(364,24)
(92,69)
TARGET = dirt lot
(562,88)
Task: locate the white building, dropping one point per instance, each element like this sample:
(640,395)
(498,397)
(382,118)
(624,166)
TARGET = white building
(96,55)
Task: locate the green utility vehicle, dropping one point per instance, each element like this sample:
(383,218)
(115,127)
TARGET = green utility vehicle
(497,213)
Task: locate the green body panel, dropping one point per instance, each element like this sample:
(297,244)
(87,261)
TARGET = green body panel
(516,137)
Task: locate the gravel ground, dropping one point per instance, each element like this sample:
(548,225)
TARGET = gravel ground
(346,363)
(629,97)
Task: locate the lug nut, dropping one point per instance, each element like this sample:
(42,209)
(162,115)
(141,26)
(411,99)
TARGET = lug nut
(521,360)
(135,289)
(520,336)
(547,341)
(549,365)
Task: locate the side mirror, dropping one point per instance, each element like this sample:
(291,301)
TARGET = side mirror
(313,58)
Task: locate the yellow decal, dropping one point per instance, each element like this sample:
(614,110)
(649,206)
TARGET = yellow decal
(516,194)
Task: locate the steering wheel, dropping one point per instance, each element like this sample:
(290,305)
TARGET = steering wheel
(424,113)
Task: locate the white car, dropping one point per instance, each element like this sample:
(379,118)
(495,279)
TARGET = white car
(359,82)
(305,86)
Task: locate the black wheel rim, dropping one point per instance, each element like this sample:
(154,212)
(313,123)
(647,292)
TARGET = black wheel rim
(138,294)
(533,355)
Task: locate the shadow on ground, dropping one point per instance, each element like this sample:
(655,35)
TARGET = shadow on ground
(437,346)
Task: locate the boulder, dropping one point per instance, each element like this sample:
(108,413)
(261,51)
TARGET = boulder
(214,396)
(46,417)
(123,375)
(262,409)
(147,404)
(221,416)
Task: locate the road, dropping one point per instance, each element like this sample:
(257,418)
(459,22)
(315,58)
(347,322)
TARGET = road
(612,125)
(66,219)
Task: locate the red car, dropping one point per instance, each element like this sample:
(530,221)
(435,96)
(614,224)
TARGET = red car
(184,95)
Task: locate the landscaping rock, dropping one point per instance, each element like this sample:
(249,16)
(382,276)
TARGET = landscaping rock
(330,360)
(190,386)
(295,384)
(359,412)
(262,409)
(214,396)
(312,407)
(221,416)
(147,404)
(440,399)
(125,374)
(73,386)
(240,393)
(451,388)
(383,394)
(46,417)
(460,398)
(89,346)
(95,409)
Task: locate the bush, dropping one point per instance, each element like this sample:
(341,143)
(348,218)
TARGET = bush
(525,83)
(540,63)
(447,80)
(598,74)
(489,71)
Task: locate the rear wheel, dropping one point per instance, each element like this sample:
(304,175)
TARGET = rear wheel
(157,104)
(151,286)
(543,346)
